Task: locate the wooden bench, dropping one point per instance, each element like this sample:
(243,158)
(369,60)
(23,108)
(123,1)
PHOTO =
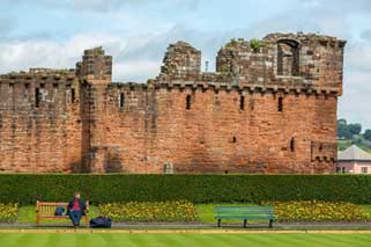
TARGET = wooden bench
(45,210)
(244,213)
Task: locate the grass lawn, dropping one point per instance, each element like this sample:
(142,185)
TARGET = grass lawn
(176,239)
(344,144)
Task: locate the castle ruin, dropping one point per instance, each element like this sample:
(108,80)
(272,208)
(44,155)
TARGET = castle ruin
(270,107)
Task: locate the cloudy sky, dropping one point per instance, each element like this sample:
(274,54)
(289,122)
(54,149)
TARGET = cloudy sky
(53,33)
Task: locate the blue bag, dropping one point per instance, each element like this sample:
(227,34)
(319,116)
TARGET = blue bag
(59,211)
(101,222)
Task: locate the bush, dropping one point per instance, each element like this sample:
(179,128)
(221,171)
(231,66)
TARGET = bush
(318,211)
(8,213)
(150,211)
(255,45)
(27,188)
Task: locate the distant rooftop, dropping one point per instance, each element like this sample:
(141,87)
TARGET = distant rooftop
(354,153)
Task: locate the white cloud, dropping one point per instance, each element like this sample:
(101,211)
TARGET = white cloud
(358,57)
(129,70)
(20,55)
(354,105)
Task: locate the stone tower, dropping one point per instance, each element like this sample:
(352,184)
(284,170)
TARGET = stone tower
(95,73)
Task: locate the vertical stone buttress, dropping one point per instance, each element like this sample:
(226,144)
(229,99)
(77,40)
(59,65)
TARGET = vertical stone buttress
(95,73)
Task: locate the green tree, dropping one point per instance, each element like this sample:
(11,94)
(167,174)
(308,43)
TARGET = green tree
(367,135)
(355,129)
(342,121)
(342,129)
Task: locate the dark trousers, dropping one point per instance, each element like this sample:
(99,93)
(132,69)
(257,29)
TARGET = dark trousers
(75,216)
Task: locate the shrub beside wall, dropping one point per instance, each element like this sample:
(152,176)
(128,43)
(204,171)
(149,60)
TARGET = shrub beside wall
(26,189)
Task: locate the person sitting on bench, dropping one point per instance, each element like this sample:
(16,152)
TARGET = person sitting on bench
(75,209)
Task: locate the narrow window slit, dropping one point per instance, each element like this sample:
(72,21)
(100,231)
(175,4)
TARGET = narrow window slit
(73,95)
(280,104)
(188,102)
(37,97)
(242,102)
(122,100)
(292,144)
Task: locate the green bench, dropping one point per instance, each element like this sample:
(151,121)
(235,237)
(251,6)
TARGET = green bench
(244,213)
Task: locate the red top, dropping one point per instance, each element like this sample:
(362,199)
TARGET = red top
(76,205)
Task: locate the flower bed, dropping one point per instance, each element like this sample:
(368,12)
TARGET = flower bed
(171,211)
(8,213)
(317,211)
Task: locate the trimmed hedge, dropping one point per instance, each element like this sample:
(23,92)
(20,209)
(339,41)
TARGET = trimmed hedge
(27,188)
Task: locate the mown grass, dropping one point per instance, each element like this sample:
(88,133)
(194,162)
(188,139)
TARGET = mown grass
(176,239)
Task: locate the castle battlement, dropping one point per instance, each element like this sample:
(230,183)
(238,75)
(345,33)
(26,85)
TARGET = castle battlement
(269,107)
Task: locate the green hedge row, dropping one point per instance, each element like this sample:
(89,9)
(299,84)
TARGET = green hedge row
(26,189)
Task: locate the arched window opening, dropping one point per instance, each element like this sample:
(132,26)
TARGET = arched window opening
(288,58)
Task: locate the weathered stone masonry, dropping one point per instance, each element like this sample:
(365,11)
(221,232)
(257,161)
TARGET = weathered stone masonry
(269,107)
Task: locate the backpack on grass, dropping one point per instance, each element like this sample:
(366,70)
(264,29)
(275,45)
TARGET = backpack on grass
(101,222)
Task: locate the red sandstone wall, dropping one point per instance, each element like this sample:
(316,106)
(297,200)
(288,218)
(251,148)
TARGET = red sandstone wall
(215,135)
(44,138)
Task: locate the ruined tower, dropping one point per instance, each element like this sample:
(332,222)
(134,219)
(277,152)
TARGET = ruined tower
(94,73)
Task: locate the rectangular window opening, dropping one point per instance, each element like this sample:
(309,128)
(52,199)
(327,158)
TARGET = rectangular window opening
(364,170)
(188,102)
(122,100)
(280,104)
(73,95)
(37,97)
(242,102)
